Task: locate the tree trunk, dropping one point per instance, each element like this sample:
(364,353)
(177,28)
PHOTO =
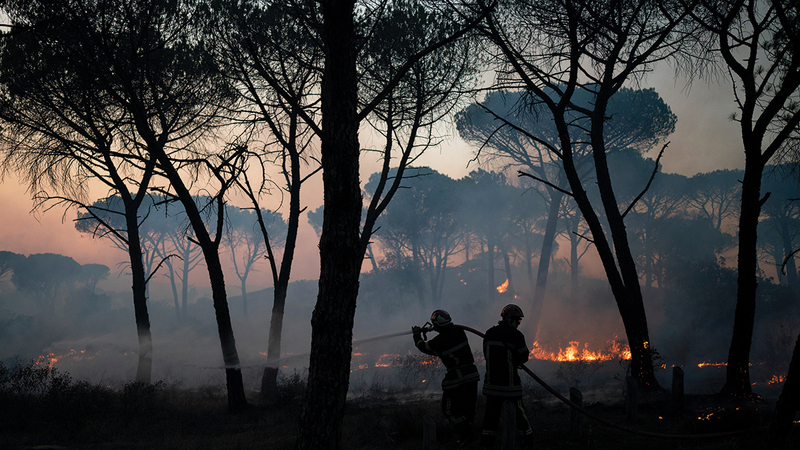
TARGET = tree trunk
(139,286)
(237,401)
(244,295)
(507,265)
(574,264)
(625,284)
(185,283)
(490,281)
(281,278)
(233,370)
(737,379)
(788,247)
(269,379)
(537,303)
(340,249)
(174,287)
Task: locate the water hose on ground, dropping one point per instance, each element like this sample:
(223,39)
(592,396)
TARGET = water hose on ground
(615,425)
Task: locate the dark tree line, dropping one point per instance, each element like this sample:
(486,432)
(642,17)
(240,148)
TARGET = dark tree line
(53,281)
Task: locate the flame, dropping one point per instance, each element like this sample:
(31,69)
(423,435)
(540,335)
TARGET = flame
(503,287)
(575,353)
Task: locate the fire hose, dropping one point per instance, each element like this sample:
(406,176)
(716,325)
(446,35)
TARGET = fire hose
(592,416)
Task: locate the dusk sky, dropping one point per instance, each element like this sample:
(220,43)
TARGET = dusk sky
(705,139)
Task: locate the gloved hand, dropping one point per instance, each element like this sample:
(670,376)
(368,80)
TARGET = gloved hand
(417,332)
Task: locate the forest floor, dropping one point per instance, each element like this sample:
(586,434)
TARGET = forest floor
(161,417)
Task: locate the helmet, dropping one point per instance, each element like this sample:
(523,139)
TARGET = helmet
(440,318)
(512,311)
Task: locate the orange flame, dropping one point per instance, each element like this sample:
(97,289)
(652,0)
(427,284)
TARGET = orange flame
(575,353)
(503,287)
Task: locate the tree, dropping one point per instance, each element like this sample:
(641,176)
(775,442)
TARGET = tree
(420,229)
(173,240)
(665,199)
(148,64)
(43,275)
(7,262)
(246,241)
(273,58)
(91,274)
(488,204)
(106,218)
(341,243)
(62,129)
(511,133)
(779,230)
(556,51)
(758,43)
(715,195)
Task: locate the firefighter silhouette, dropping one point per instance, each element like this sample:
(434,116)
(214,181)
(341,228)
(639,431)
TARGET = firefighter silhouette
(505,350)
(460,384)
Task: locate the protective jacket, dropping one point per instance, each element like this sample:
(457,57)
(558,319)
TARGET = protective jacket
(504,349)
(452,346)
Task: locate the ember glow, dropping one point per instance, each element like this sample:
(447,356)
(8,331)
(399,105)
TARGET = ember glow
(574,352)
(51,359)
(710,364)
(777,379)
(391,360)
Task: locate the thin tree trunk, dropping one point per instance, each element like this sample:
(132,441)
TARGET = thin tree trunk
(233,370)
(244,295)
(139,286)
(491,283)
(574,266)
(507,264)
(174,287)
(537,303)
(737,379)
(185,282)
(281,285)
(788,248)
(237,402)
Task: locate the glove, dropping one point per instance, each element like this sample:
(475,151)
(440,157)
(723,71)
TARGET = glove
(417,332)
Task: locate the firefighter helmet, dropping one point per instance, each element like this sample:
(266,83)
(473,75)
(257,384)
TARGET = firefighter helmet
(440,318)
(512,311)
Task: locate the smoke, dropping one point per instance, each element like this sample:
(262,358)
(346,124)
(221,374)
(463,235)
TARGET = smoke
(689,324)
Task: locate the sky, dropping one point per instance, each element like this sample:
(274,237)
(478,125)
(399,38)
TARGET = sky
(705,139)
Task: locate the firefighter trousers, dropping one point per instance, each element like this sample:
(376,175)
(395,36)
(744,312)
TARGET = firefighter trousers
(458,406)
(491,419)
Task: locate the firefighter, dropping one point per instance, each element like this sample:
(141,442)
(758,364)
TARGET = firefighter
(505,350)
(460,384)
